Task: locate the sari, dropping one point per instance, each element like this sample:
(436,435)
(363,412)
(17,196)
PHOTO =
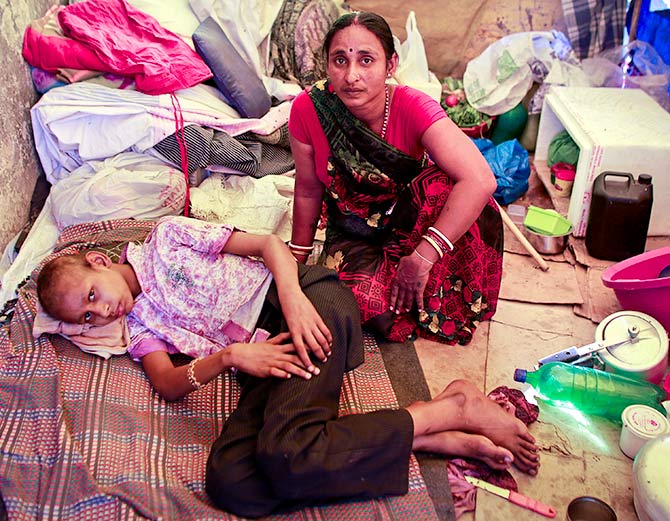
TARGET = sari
(379,203)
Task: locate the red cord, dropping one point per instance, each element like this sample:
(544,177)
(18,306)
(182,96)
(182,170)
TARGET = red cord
(183,149)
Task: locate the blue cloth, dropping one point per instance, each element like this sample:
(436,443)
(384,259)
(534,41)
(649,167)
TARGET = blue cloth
(510,165)
(653,28)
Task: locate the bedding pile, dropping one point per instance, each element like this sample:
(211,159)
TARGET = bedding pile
(139,94)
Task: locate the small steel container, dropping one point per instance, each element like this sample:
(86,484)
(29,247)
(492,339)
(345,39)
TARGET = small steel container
(587,508)
(546,244)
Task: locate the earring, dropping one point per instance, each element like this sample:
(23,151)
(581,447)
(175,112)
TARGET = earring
(388,75)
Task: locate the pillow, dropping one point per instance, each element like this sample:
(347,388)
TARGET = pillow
(234,77)
(105,341)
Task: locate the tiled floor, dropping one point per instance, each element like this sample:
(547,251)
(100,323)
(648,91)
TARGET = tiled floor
(579,456)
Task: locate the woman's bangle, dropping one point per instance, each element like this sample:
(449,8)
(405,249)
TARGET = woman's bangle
(442,236)
(190,373)
(297,247)
(423,258)
(434,244)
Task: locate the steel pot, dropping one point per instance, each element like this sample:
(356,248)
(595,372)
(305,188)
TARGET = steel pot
(546,244)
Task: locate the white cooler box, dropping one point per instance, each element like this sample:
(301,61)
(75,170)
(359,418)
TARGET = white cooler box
(620,130)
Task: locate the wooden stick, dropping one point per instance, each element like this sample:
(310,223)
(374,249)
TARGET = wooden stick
(522,239)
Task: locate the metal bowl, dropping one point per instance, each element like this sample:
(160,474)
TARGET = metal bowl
(547,244)
(587,508)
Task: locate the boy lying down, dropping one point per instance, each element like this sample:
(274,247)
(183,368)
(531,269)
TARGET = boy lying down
(291,331)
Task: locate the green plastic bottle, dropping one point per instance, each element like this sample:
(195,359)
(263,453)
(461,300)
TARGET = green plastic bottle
(590,390)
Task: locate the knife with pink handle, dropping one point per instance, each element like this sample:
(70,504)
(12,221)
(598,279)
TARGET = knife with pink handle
(514,497)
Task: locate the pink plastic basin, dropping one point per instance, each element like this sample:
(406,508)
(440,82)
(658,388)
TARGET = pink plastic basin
(638,285)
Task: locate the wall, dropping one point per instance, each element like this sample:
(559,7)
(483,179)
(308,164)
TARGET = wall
(19,166)
(455,31)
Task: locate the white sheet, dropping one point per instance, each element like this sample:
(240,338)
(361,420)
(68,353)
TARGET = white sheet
(83,121)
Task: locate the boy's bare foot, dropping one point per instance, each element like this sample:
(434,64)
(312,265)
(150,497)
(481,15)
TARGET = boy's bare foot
(457,443)
(462,407)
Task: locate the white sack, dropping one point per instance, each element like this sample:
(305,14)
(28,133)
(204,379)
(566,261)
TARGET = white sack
(412,67)
(499,78)
(129,185)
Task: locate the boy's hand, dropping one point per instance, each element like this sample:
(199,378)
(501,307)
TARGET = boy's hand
(308,330)
(274,357)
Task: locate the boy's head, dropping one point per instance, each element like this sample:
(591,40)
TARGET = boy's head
(84,288)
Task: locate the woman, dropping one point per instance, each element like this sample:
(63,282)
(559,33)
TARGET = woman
(411,225)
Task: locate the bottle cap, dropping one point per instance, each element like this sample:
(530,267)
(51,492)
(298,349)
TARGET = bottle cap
(520,375)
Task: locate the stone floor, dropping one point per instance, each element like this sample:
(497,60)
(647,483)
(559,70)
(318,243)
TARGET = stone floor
(579,456)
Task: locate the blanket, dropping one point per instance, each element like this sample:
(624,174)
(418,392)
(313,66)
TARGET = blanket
(86,438)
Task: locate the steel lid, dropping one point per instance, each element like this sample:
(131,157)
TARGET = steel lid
(648,344)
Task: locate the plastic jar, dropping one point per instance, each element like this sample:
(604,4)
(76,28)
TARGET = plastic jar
(640,424)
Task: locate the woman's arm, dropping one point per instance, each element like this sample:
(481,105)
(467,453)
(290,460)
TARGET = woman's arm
(474,183)
(308,330)
(273,358)
(458,157)
(307,200)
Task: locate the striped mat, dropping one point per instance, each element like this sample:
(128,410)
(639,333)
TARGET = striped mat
(87,438)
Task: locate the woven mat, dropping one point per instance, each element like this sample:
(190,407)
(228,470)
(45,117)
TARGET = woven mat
(87,438)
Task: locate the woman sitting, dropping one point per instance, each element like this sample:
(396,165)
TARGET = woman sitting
(411,225)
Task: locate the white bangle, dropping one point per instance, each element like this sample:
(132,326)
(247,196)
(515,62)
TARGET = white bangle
(434,244)
(292,246)
(441,236)
(423,258)
(190,374)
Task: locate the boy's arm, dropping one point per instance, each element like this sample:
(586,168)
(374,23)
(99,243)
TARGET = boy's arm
(308,330)
(263,359)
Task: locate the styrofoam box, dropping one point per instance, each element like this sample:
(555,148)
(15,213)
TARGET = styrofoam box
(620,130)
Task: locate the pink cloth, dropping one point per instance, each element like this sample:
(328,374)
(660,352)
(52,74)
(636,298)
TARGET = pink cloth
(47,48)
(464,494)
(410,114)
(193,297)
(112,36)
(105,341)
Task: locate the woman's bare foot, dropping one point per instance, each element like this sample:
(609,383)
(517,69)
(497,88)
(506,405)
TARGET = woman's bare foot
(462,407)
(456,443)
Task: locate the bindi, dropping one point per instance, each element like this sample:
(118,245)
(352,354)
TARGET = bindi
(350,49)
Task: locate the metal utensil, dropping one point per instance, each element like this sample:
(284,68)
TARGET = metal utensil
(575,354)
(513,497)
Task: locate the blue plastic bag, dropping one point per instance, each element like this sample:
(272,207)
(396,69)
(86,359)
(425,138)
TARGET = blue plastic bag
(510,165)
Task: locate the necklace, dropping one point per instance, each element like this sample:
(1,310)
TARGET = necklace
(385,123)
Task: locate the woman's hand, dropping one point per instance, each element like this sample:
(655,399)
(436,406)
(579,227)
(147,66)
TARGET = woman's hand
(309,332)
(409,284)
(275,357)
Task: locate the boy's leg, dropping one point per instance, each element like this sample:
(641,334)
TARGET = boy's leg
(303,451)
(307,451)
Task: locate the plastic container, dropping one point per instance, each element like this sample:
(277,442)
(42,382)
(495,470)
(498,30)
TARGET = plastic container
(619,215)
(645,357)
(651,480)
(546,221)
(642,283)
(640,424)
(562,178)
(590,390)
